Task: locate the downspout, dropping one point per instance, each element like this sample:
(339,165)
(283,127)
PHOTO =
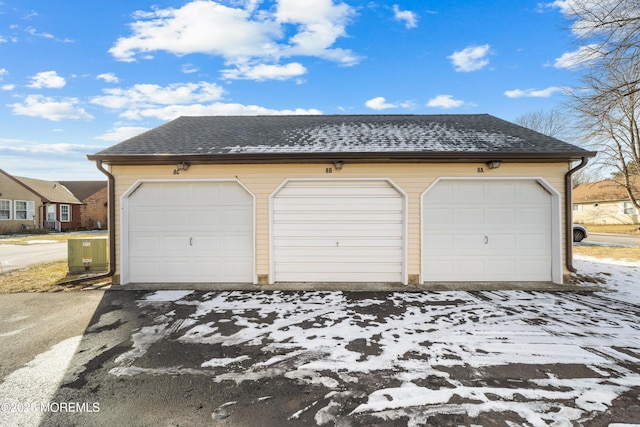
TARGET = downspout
(568,216)
(111,227)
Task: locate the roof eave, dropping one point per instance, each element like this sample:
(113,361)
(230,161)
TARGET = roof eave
(368,157)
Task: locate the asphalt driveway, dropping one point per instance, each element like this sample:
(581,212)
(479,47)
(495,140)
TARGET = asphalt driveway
(338,358)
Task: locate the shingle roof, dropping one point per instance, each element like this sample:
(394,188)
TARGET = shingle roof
(52,191)
(349,134)
(607,190)
(84,189)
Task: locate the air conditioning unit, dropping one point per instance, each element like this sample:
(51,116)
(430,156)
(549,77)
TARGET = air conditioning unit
(88,255)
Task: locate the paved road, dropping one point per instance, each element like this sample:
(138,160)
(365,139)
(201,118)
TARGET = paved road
(14,257)
(613,239)
(249,359)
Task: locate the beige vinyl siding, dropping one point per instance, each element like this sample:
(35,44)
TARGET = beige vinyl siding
(12,191)
(604,213)
(263,179)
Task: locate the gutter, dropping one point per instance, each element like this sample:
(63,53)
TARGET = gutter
(112,231)
(568,215)
(324,157)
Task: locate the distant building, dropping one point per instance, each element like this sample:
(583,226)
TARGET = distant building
(605,202)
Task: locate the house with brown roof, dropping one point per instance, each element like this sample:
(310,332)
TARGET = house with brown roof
(605,202)
(405,199)
(93,195)
(28,203)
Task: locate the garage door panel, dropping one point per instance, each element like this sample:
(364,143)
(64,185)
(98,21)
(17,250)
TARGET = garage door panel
(499,192)
(439,269)
(356,229)
(340,255)
(534,216)
(486,230)
(439,242)
(472,192)
(439,217)
(532,193)
(501,243)
(500,216)
(294,243)
(311,203)
(361,189)
(338,231)
(533,269)
(469,241)
(190,232)
(468,216)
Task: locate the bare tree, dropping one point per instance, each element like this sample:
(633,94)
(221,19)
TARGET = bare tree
(551,123)
(608,101)
(611,120)
(608,35)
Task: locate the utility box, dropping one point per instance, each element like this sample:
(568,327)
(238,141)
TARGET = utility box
(88,255)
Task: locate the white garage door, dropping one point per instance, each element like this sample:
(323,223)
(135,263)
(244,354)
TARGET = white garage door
(332,231)
(187,232)
(487,231)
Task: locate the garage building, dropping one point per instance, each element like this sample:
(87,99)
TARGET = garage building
(361,199)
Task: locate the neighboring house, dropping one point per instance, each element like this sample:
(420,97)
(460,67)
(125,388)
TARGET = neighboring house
(605,202)
(370,198)
(93,195)
(27,203)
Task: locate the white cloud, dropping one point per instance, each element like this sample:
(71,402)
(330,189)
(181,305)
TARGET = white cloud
(108,77)
(122,133)
(47,79)
(262,72)
(178,99)
(445,101)
(379,103)
(582,57)
(32,31)
(7,87)
(410,18)
(21,146)
(3,72)
(214,109)
(533,93)
(50,108)
(472,58)
(189,69)
(241,35)
(55,161)
(150,95)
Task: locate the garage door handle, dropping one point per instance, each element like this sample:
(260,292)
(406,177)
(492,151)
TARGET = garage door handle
(486,240)
(190,241)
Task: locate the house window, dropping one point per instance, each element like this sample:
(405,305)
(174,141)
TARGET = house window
(24,209)
(51,212)
(65,213)
(5,209)
(577,207)
(629,209)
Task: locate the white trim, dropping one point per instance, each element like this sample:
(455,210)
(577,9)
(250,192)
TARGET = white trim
(404,261)
(10,209)
(54,211)
(124,221)
(69,212)
(556,220)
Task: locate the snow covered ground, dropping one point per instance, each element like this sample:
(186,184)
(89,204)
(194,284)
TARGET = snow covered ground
(440,358)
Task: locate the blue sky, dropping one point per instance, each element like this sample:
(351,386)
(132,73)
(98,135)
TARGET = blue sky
(79,76)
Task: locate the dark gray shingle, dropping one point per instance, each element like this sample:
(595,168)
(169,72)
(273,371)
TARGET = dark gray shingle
(220,135)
